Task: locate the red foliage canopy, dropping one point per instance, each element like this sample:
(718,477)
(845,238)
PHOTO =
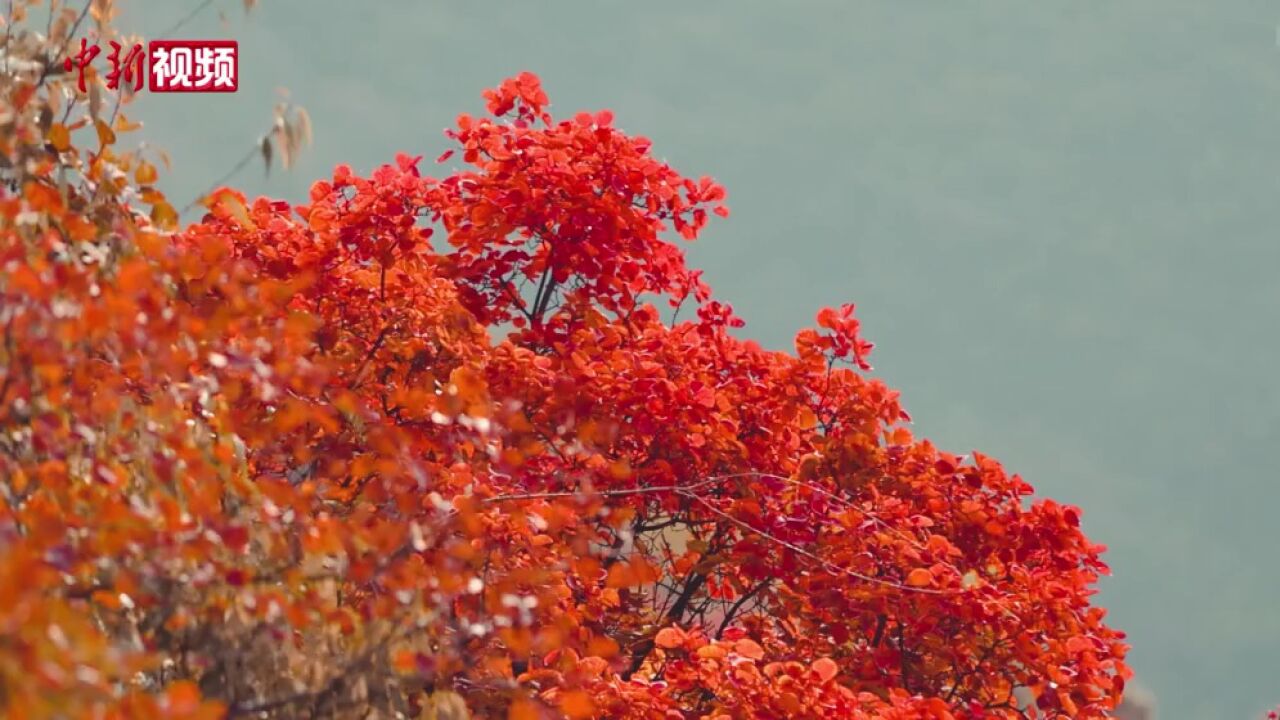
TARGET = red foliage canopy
(425,443)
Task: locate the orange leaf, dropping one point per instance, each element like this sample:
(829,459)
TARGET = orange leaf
(106,135)
(602,646)
(920,577)
(712,652)
(404,662)
(669,638)
(620,575)
(523,710)
(108,600)
(577,704)
(826,668)
(746,647)
(124,124)
(19,480)
(59,137)
(182,698)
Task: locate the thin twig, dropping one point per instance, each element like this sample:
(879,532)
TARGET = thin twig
(8,35)
(186,19)
(244,161)
(733,609)
(608,493)
(51,63)
(805,553)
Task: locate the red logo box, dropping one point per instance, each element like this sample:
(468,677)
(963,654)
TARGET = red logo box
(193,65)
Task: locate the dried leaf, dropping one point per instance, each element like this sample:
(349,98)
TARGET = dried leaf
(282,144)
(290,141)
(95,101)
(303,121)
(265,148)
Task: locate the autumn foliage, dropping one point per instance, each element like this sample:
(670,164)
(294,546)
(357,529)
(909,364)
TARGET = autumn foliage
(479,444)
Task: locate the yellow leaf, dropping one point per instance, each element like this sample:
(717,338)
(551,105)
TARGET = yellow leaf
(146,173)
(124,124)
(59,137)
(164,215)
(238,211)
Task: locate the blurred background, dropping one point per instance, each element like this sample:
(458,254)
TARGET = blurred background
(1057,221)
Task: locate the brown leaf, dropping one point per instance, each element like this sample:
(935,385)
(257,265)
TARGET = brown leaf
(95,101)
(290,140)
(303,120)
